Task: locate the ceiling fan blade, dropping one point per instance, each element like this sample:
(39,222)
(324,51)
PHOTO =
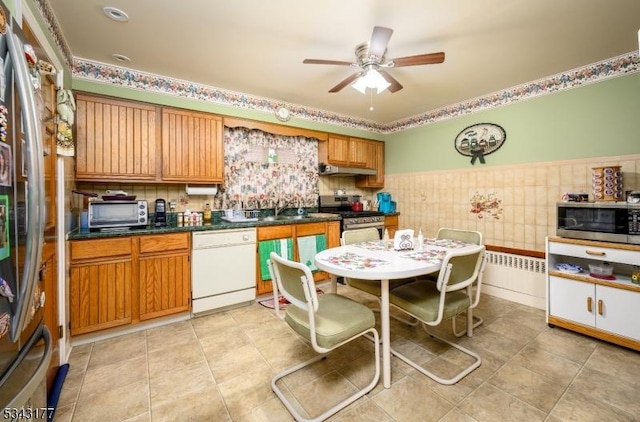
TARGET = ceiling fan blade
(320,61)
(346,82)
(379,40)
(395,85)
(431,58)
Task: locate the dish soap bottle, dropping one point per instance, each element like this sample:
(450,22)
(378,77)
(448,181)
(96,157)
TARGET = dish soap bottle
(420,240)
(206,217)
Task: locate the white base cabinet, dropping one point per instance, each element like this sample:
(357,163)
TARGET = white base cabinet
(605,309)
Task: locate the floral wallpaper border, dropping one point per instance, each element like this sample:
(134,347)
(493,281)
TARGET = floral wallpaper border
(114,75)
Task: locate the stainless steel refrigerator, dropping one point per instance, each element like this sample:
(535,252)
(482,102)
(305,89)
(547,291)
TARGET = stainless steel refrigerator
(25,345)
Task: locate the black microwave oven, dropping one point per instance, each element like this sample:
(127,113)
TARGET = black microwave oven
(606,221)
(117,214)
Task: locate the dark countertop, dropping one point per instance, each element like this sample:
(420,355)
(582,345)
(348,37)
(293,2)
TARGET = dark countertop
(216,224)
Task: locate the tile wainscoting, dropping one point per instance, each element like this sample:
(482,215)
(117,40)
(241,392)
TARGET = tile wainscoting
(513,206)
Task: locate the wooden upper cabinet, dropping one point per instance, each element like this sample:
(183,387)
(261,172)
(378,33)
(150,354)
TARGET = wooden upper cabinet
(336,151)
(360,152)
(376,161)
(192,147)
(116,140)
(344,151)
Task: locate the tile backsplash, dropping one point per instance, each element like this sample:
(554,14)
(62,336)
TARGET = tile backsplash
(513,206)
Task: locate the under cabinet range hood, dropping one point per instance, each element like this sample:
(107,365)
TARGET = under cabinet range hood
(331,170)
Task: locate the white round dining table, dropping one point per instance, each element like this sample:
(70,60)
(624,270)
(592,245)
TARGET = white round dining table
(375,261)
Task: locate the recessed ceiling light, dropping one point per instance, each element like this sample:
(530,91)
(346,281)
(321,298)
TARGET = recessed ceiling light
(121,58)
(115,14)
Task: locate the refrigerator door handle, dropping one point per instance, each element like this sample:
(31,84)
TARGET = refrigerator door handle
(39,375)
(35,177)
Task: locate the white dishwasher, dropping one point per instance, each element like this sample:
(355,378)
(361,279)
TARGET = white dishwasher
(223,268)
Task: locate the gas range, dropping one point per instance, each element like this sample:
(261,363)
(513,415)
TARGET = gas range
(351,220)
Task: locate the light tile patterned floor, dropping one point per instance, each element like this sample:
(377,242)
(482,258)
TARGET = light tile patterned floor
(219,367)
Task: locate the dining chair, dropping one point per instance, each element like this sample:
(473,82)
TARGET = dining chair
(467,236)
(326,322)
(432,303)
(350,237)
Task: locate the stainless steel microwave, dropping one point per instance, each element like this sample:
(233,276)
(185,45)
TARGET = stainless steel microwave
(606,221)
(117,214)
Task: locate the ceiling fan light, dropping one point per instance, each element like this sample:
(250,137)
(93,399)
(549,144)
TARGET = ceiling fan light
(360,85)
(372,79)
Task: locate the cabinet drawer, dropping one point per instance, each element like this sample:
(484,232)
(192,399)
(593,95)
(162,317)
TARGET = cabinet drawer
(391,220)
(310,228)
(164,242)
(275,232)
(589,251)
(100,248)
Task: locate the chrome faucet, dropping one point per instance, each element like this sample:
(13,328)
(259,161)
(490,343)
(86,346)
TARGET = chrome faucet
(277,209)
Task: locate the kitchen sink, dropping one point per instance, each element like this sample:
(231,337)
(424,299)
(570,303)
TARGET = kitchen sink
(283,217)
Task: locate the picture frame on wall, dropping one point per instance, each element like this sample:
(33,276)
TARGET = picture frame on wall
(6,161)
(477,141)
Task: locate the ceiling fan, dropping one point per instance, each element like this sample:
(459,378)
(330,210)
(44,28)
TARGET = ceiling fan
(371,60)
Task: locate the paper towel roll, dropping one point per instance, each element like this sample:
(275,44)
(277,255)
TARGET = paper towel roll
(202,190)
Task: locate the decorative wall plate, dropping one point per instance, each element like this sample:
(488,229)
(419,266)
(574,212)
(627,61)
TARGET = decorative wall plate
(282,113)
(478,140)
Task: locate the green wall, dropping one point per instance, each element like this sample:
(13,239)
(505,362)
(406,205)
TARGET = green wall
(601,119)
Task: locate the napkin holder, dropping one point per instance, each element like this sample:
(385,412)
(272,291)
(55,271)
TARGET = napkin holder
(403,240)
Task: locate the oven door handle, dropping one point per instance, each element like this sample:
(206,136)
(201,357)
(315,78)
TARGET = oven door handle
(377,225)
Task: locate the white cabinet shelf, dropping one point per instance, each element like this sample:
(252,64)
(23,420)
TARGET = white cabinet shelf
(605,309)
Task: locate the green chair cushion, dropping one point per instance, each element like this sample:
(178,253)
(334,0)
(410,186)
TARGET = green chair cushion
(373,286)
(421,298)
(338,319)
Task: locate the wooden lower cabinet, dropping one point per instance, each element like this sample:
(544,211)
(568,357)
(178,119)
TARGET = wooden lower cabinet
(164,275)
(391,224)
(294,231)
(121,281)
(265,234)
(49,280)
(100,281)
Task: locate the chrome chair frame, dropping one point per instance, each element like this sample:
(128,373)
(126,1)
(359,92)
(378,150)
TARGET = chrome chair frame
(305,298)
(405,297)
(469,236)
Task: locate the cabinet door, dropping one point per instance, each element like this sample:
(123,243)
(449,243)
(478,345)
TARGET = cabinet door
(49,279)
(100,295)
(391,224)
(572,300)
(375,161)
(360,151)
(618,311)
(192,147)
(164,275)
(165,285)
(338,150)
(269,233)
(116,140)
(333,234)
